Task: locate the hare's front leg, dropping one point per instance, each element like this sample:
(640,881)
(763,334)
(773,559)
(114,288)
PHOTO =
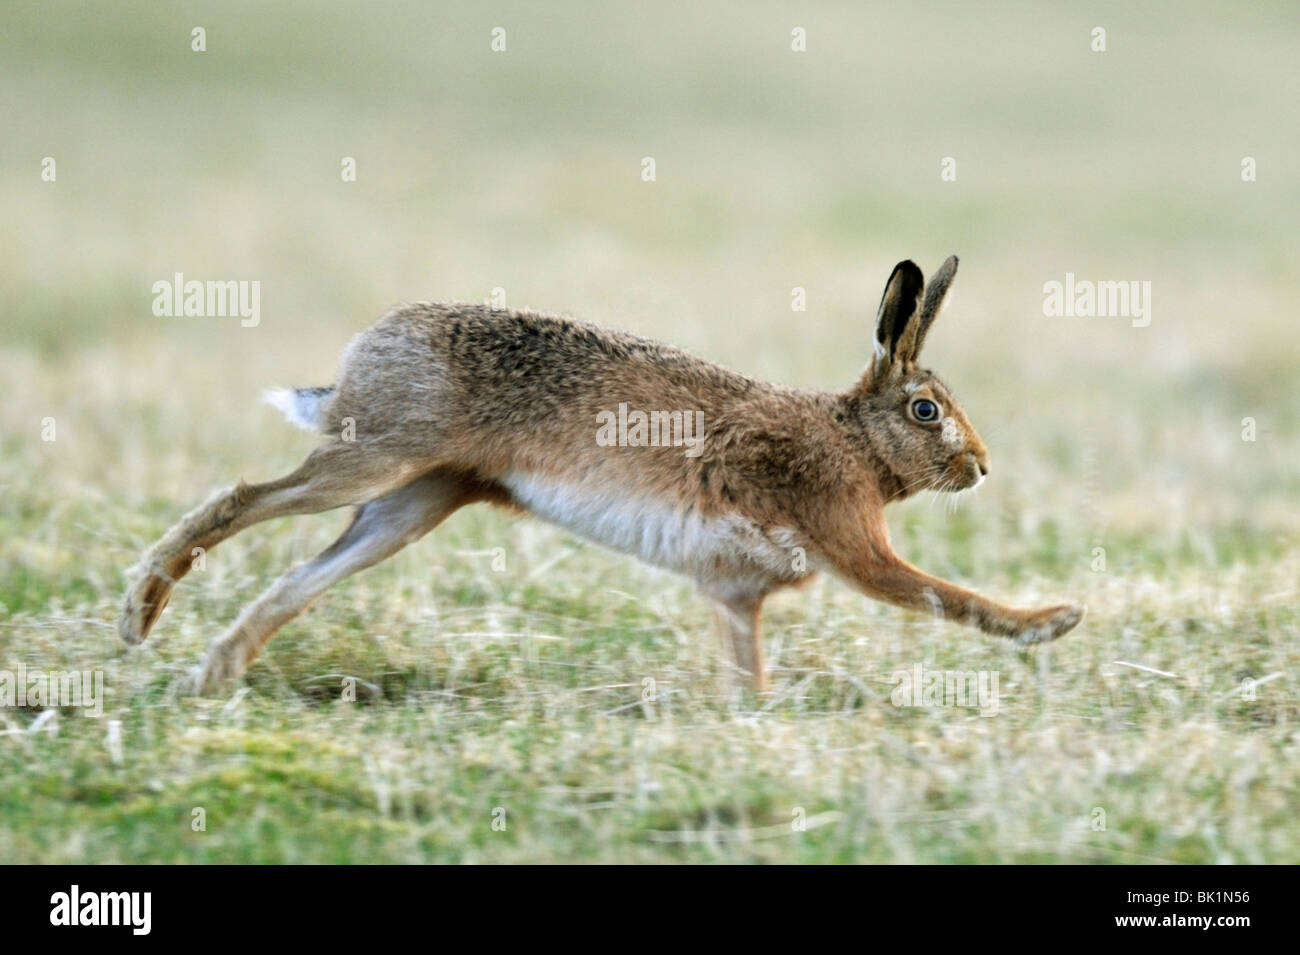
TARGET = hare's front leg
(737,615)
(890,578)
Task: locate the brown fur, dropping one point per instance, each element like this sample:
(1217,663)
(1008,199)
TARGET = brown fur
(439,406)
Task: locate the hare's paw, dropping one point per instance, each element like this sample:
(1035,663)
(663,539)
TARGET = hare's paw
(144,604)
(130,626)
(1046,625)
(217,671)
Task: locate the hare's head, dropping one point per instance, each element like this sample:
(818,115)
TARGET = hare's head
(907,419)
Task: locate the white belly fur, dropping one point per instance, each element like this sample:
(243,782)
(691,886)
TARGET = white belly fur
(659,532)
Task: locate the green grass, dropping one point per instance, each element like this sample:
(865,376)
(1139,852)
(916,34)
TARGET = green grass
(526,690)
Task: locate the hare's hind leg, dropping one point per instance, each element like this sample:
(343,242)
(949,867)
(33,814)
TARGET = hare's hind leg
(380,529)
(333,475)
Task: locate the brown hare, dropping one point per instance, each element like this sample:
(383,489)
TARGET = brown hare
(744,486)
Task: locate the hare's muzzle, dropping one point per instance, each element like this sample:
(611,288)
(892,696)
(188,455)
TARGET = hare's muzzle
(972,468)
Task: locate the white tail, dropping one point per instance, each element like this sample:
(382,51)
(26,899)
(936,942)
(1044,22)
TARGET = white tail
(301,406)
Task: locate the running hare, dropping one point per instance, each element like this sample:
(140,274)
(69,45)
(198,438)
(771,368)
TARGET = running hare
(439,406)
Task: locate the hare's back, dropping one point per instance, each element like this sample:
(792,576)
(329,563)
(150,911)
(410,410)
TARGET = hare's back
(557,355)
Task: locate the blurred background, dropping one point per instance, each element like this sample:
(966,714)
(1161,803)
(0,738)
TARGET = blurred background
(775,169)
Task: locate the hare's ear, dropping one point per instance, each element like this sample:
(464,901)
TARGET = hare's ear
(896,319)
(936,293)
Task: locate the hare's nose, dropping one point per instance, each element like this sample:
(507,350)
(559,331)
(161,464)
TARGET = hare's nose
(983,465)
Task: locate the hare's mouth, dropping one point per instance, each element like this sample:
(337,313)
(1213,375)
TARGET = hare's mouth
(964,473)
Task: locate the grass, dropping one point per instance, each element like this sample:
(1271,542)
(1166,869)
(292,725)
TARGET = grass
(576,696)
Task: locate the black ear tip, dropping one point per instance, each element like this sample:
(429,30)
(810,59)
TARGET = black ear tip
(909,274)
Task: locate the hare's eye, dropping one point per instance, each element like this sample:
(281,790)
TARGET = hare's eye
(923,409)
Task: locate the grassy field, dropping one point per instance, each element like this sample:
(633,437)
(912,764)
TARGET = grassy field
(501,665)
